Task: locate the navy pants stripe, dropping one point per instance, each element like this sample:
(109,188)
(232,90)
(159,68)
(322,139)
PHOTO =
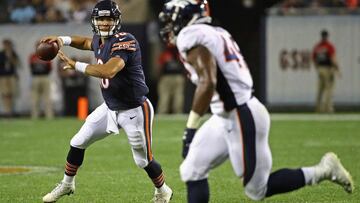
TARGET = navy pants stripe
(248,133)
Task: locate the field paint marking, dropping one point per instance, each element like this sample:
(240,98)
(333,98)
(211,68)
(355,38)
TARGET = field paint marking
(12,170)
(279,117)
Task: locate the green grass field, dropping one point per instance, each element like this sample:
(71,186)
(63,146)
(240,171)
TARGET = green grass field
(109,173)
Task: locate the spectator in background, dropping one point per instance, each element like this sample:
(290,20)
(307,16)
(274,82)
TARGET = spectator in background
(4,14)
(171,84)
(54,15)
(9,61)
(74,85)
(41,8)
(352,4)
(326,66)
(23,12)
(81,10)
(47,11)
(40,87)
(290,7)
(64,6)
(141,7)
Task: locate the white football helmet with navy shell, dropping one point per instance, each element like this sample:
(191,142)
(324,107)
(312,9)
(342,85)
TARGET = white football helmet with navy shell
(177,14)
(106,8)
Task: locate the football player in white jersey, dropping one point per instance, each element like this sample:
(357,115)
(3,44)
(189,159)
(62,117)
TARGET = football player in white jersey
(239,126)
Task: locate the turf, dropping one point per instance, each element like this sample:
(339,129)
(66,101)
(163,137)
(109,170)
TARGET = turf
(110,175)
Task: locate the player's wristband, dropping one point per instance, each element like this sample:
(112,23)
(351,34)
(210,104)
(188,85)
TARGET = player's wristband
(193,120)
(66,40)
(80,66)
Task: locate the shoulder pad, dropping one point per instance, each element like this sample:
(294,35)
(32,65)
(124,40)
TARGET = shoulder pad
(123,36)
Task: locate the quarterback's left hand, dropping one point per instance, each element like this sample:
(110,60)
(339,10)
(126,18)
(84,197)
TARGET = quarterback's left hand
(70,63)
(189,134)
(51,39)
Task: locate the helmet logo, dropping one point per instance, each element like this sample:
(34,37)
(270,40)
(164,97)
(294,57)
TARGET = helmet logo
(104,13)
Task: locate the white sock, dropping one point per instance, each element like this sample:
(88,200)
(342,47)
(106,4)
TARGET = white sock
(68,179)
(309,174)
(163,188)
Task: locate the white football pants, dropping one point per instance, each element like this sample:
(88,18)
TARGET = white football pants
(137,124)
(242,136)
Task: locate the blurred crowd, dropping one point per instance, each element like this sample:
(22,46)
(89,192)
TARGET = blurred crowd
(60,11)
(351,4)
(45,11)
(287,7)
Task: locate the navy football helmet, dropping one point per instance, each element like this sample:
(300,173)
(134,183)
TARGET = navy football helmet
(106,8)
(178,14)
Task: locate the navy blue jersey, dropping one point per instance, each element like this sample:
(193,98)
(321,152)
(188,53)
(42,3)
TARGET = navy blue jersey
(127,89)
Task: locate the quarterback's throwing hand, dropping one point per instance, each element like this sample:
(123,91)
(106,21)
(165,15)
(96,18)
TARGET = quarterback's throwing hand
(189,134)
(53,39)
(70,64)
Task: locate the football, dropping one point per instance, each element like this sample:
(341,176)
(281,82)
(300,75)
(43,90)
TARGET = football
(47,51)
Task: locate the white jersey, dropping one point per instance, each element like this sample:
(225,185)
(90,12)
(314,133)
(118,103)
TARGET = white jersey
(234,82)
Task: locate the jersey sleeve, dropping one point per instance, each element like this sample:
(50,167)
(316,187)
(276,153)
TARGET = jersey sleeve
(123,46)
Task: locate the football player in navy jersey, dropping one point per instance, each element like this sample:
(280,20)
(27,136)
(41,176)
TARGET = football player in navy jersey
(123,88)
(239,127)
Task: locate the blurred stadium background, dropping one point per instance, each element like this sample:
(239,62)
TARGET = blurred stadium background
(264,30)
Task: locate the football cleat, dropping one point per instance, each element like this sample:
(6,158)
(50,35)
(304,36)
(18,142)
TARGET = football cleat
(330,168)
(60,190)
(162,197)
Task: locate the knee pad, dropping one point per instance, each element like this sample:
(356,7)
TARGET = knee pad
(139,149)
(190,172)
(136,144)
(140,157)
(135,140)
(255,192)
(84,137)
(79,141)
